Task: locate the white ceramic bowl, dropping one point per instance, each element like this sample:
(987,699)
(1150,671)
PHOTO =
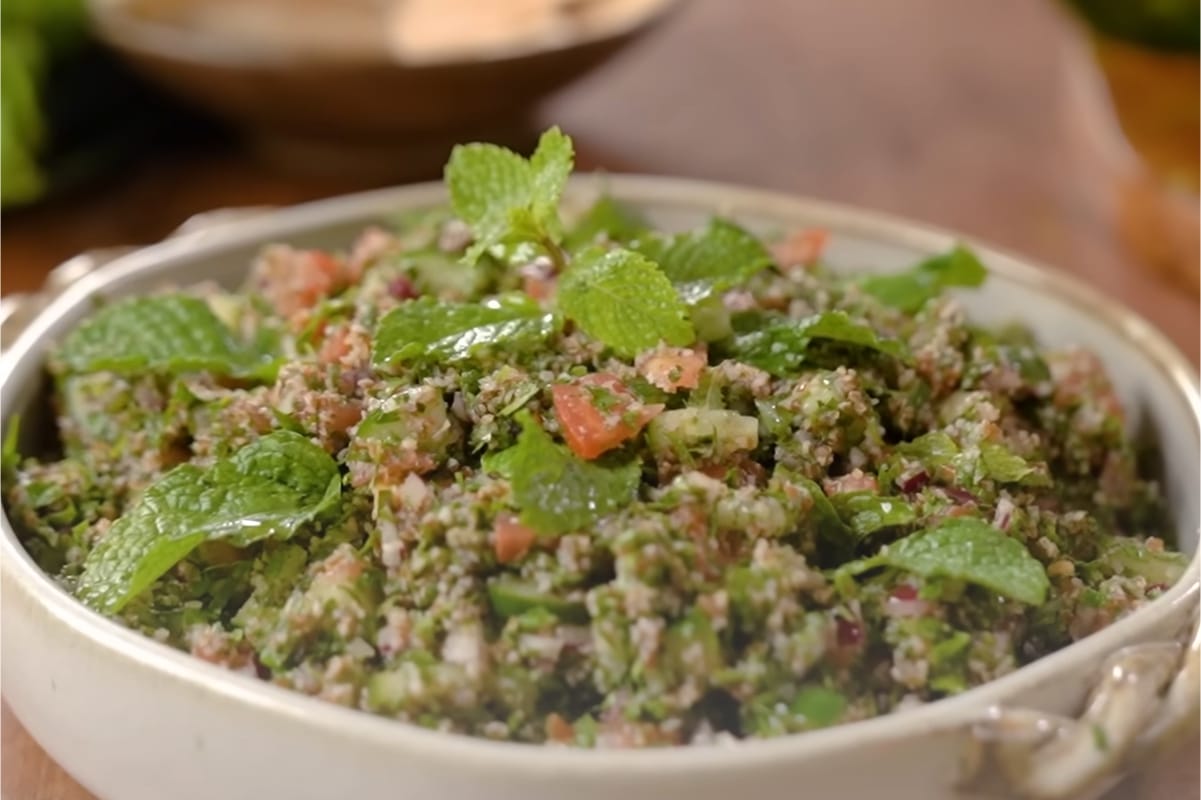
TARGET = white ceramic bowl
(134,720)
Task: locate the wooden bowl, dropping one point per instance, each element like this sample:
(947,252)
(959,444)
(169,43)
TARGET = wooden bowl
(346,98)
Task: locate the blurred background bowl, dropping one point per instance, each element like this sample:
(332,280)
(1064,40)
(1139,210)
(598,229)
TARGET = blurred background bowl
(373,87)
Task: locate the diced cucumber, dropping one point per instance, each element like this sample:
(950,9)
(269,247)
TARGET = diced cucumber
(711,320)
(706,433)
(511,597)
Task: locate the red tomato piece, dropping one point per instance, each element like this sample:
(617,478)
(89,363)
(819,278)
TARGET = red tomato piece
(597,413)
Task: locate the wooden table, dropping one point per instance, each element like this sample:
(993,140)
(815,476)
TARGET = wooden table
(956,112)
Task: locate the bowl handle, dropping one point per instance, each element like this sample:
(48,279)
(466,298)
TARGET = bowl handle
(1147,696)
(17,310)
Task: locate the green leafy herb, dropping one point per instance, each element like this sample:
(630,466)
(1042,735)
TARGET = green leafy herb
(169,334)
(427,329)
(708,260)
(1124,555)
(559,493)
(506,198)
(269,488)
(970,550)
(609,220)
(934,449)
(909,291)
(819,706)
(622,299)
(830,526)
(866,512)
(10,457)
(1004,466)
(781,345)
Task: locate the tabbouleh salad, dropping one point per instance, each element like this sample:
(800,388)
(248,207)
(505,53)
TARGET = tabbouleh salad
(586,483)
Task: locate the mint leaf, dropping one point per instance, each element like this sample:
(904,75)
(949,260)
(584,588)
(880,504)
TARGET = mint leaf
(909,291)
(1124,555)
(966,549)
(838,537)
(609,220)
(170,334)
(621,298)
(866,512)
(780,345)
(427,329)
(557,492)
(1004,466)
(934,449)
(504,197)
(708,260)
(269,488)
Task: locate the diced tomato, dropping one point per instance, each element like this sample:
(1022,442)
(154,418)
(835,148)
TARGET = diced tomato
(673,368)
(511,539)
(597,413)
(559,730)
(538,287)
(801,248)
(319,275)
(335,346)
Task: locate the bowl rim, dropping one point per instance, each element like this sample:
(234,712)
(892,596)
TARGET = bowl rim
(22,362)
(140,36)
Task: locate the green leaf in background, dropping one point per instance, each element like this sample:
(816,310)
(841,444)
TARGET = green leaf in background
(557,492)
(22,66)
(708,260)
(909,291)
(170,334)
(780,345)
(970,550)
(269,488)
(867,512)
(455,332)
(504,197)
(622,299)
(609,220)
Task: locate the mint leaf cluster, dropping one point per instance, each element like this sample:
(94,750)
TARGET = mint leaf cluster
(507,199)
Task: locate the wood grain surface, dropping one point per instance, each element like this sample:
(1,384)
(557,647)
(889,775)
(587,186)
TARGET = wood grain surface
(960,113)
